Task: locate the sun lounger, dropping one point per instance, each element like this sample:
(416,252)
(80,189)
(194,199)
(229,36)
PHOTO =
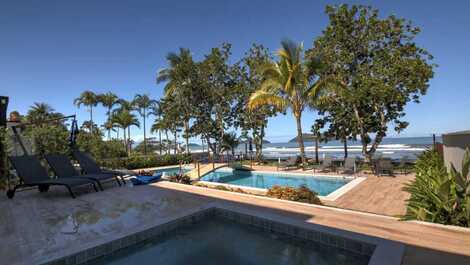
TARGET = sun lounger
(349,166)
(32,173)
(63,168)
(291,162)
(326,165)
(89,166)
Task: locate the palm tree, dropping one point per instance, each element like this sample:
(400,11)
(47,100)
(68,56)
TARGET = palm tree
(156,110)
(39,112)
(89,99)
(178,86)
(230,142)
(143,103)
(108,100)
(157,127)
(125,119)
(288,84)
(125,106)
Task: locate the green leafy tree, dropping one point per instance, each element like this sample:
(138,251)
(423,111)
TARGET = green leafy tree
(89,99)
(378,68)
(287,84)
(250,79)
(143,103)
(213,97)
(108,100)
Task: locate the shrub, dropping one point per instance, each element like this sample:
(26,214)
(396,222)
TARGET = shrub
(183,179)
(135,162)
(439,195)
(301,194)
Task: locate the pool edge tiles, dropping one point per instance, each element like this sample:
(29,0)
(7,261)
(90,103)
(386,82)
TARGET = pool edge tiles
(375,249)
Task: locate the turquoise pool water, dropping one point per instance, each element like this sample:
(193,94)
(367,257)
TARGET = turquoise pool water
(171,170)
(217,241)
(265,180)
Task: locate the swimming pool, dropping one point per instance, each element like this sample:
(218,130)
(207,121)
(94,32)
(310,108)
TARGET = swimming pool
(169,171)
(218,240)
(322,185)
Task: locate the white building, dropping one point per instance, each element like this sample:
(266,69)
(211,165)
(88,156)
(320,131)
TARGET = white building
(454,147)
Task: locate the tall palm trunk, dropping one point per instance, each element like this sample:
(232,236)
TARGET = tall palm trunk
(129,139)
(160,140)
(316,150)
(186,129)
(145,134)
(345,143)
(109,120)
(91,118)
(167,141)
(300,139)
(174,150)
(125,139)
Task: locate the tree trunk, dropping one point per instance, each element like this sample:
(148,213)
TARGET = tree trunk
(345,143)
(300,139)
(316,150)
(160,140)
(129,139)
(174,150)
(125,140)
(91,118)
(145,135)
(109,120)
(187,135)
(167,141)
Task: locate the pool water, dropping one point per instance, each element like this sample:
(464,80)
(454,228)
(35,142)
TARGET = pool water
(322,185)
(169,171)
(218,241)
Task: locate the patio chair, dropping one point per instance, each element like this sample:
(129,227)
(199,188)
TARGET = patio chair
(32,174)
(326,165)
(349,166)
(290,162)
(89,166)
(63,168)
(384,167)
(404,163)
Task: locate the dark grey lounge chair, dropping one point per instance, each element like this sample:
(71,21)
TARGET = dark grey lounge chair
(32,173)
(404,164)
(326,165)
(290,162)
(89,166)
(62,167)
(349,166)
(384,167)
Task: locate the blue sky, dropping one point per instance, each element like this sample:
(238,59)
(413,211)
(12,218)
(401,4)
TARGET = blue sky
(50,51)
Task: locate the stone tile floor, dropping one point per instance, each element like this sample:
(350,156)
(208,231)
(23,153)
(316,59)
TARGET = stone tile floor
(37,227)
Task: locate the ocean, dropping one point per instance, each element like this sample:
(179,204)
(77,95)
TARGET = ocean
(394,148)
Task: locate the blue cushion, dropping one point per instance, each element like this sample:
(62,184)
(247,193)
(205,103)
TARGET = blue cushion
(144,180)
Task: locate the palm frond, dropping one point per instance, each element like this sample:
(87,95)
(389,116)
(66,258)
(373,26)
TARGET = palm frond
(261,98)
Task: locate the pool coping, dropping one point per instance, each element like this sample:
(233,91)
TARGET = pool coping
(162,167)
(381,251)
(354,181)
